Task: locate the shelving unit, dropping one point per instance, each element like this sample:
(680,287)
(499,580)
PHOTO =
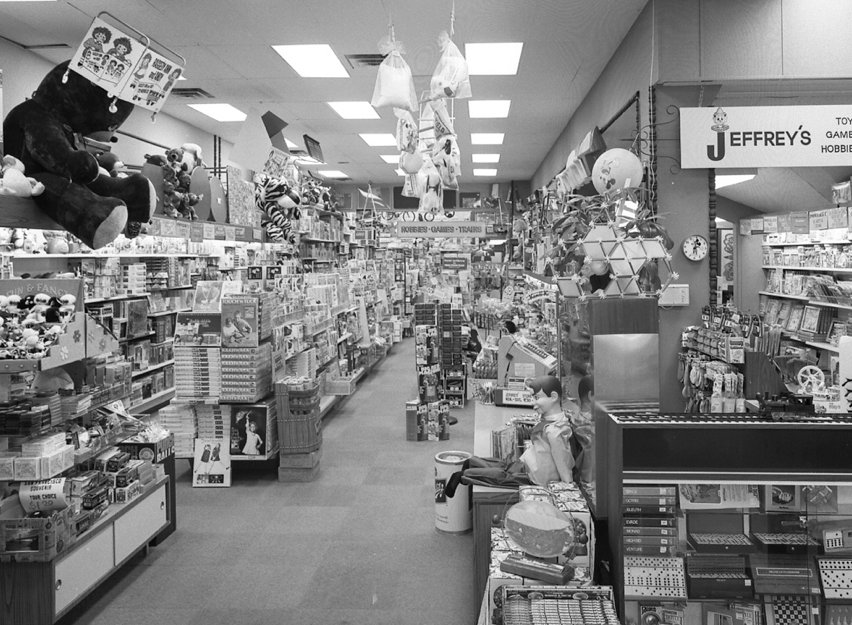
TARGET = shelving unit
(716,513)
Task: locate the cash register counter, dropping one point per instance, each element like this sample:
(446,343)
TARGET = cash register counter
(488,503)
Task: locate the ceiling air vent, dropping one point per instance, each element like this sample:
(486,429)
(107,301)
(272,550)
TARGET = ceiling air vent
(190,93)
(364,60)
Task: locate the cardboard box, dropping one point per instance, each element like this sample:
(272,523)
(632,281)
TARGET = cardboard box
(153,451)
(35,540)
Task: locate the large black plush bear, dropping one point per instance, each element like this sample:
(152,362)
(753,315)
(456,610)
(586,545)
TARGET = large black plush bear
(46,132)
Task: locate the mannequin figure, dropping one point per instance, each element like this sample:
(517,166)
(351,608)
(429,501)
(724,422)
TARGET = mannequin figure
(549,457)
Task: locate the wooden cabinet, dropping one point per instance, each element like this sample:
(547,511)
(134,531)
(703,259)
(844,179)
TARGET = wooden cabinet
(39,593)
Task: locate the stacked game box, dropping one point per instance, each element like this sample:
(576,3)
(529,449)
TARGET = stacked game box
(246,373)
(649,520)
(214,421)
(198,373)
(180,420)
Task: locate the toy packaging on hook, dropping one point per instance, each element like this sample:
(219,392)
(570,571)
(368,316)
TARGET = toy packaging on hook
(450,78)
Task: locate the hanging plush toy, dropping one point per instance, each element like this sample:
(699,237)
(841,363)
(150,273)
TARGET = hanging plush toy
(279,205)
(45,133)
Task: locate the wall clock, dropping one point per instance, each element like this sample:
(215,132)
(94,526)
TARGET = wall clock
(695,247)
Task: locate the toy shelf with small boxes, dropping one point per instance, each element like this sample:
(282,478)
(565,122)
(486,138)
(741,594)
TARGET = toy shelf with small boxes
(760,528)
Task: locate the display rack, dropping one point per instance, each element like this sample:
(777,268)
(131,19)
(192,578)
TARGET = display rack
(708,511)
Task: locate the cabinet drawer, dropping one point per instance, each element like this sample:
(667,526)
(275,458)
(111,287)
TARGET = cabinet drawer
(81,569)
(140,524)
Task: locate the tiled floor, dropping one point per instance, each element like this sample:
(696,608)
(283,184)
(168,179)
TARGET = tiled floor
(356,545)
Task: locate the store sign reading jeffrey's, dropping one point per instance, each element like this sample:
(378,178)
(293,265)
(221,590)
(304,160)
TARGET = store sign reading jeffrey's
(765,136)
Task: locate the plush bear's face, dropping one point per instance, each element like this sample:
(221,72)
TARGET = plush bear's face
(79,103)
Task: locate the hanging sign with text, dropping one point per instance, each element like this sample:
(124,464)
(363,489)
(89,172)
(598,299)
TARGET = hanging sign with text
(765,136)
(440,229)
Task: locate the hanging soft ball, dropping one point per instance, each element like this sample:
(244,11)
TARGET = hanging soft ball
(599,267)
(410,162)
(616,169)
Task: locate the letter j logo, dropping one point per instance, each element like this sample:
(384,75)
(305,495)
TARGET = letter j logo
(717,152)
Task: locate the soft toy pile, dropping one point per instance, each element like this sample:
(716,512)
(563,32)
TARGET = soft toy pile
(45,134)
(279,206)
(177,165)
(30,325)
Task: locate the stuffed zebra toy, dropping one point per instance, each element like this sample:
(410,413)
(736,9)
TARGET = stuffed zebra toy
(279,205)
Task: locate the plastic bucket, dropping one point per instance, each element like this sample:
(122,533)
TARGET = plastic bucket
(452,514)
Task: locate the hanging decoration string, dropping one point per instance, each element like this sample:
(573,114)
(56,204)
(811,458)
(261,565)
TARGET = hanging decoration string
(453,19)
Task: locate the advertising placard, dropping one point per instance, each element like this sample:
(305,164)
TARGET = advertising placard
(765,136)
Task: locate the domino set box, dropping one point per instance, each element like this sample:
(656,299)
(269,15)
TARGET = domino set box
(736,554)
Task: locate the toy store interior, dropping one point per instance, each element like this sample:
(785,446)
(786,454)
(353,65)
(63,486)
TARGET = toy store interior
(382,311)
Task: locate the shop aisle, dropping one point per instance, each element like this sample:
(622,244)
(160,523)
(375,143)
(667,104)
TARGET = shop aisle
(357,546)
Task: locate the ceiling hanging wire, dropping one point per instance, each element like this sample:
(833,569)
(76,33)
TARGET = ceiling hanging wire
(453,19)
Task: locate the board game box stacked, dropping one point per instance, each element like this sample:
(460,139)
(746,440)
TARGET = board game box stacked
(246,373)
(649,520)
(652,567)
(180,420)
(198,373)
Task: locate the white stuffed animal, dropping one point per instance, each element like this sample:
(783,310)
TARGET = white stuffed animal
(14,182)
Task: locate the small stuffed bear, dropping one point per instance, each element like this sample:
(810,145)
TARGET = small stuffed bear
(14,182)
(45,133)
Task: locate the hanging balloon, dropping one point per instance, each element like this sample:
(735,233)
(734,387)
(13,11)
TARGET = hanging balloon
(616,169)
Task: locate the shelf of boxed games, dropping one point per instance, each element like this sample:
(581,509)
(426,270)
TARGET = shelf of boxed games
(767,543)
(319,341)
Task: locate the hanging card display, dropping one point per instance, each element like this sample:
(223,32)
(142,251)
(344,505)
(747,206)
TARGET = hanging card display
(126,64)
(108,55)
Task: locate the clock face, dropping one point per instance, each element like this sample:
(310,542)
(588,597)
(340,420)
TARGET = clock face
(695,247)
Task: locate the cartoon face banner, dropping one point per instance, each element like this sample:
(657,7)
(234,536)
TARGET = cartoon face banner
(125,66)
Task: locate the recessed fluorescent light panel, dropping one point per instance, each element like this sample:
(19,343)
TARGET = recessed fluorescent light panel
(726,180)
(390,159)
(485,158)
(332,173)
(484,172)
(486,138)
(488,109)
(354,110)
(399,172)
(493,59)
(291,145)
(378,139)
(313,60)
(220,112)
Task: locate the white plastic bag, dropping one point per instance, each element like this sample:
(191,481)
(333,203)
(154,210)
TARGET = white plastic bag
(394,84)
(406,131)
(450,78)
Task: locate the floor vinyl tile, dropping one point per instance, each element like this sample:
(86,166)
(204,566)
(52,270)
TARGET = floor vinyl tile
(356,546)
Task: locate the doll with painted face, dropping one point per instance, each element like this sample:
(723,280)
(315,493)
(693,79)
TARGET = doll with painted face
(549,457)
